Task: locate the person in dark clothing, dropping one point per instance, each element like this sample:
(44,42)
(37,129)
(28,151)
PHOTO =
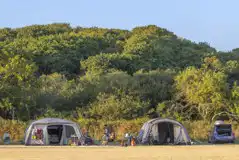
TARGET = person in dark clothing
(105,138)
(106,131)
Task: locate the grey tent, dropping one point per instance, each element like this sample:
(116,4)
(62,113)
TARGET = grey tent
(163,131)
(53,131)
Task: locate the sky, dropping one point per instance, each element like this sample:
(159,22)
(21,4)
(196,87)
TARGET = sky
(212,21)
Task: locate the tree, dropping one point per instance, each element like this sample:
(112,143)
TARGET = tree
(204,87)
(18,70)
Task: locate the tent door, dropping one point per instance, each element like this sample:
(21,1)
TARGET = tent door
(54,134)
(165,133)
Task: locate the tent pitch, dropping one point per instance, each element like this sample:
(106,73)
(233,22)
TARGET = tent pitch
(53,131)
(163,131)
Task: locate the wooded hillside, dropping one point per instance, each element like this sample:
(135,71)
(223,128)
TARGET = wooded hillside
(112,74)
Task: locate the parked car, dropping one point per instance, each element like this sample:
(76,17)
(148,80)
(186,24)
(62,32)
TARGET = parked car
(221,133)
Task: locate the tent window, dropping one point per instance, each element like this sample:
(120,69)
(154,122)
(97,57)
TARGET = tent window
(70,131)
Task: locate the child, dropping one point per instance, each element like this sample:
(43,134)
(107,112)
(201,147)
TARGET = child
(126,141)
(105,140)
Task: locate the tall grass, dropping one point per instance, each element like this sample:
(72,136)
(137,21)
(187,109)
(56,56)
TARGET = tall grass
(197,129)
(96,128)
(16,129)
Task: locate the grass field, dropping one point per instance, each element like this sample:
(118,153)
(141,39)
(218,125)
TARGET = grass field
(209,152)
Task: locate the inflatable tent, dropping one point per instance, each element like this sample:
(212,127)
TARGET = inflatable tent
(163,131)
(53,131)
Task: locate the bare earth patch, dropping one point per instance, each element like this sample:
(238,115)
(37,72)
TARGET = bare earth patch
(209,152)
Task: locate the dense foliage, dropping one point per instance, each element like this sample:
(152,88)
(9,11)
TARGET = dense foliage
(112,74)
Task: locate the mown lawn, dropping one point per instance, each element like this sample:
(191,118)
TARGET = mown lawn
(197,152)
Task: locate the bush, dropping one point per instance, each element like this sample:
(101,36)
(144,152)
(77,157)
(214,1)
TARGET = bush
(16,129)
(198,130)
(117,107)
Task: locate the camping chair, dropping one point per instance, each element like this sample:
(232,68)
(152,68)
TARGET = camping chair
(54,138)
(6,138)
(112,137)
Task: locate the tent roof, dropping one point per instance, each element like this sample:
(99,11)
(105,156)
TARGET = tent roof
(52,121)
(160,120)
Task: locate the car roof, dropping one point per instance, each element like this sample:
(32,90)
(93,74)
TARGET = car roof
(222,124)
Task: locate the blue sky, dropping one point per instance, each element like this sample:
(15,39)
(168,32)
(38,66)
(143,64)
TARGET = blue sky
(213,21)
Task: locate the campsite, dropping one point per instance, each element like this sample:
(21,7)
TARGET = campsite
(118,80)
(179,146)
(55,131)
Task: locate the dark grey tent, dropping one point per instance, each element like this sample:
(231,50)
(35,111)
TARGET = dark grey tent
(163,131)
(52,131)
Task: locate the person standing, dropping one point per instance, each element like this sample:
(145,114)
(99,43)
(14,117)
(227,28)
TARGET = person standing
(128,138)
(106,135)
(106,130)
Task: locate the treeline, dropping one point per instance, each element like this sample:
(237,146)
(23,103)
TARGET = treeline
(111,74)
